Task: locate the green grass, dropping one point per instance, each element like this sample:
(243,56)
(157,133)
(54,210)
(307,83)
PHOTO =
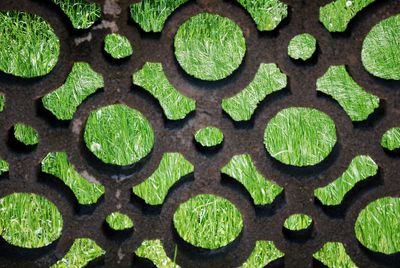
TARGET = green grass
(26,134)
(361,168)
(151,15)
(118,46)
(28,45)
(83,251)
(118,135)
(357,103)
(152,78)
(242,169)
(378,226)
(302,46)
(80,84)
(297,222)
(333,255)
(209,136)
(391,139)
(208,221)
(267,80)
(264,253)
(81,13)
(172,168)
(86,192)
(300,136)
(2,102)
(381,50)
(267,14)
(336,15)
(4,167)
(119,221)
(209,47)
(28,220)
(153,250)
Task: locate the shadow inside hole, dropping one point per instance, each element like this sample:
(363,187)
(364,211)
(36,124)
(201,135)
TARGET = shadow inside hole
(18,146)
(391,260)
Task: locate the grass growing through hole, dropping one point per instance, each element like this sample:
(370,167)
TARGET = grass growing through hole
(118,46)
(361,168)
(172,168)
(378,225)
(152,78)
(300,136)
(80,84)
(26,134)
(209,47)
(391,139)
(357,103)
(82,251)
(119,221)
(267,14)
(242,169)
(209,136)
(81,13)
(28,45)
(208,221)
(334,255)
(153,250)
(29,220)
(297,222)
(264,253)
(302,46)
(381,51)
(336,15)
(2,101)
(268,79)
(4,167)
(151,15)
(86,192)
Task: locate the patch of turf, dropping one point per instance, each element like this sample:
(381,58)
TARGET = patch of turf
(151,15)
(302,46)
(2,101)
(242,169)
(336,15)
(208,221)
(118,46)
(378,225)
(86,192)
(28,45)
(4,167)
(300,136)
(209,136)
(172,168)
(29,220)
(297,222)
(81,13)
(118,135)
(82,251)
(80,84)
(119,221)
(391,139)
(26,134)
(361,168)
(153,250)
(209,47)
(357,103)
(264,253)
(381,50)
(268,79)
(334,255)
(267,14)
(152,78)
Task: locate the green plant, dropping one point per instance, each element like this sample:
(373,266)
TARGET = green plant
(81,13)
(297,222)
(26,134)
(334,255)
(264,253)
(153,250)
(302,46)
(119,221)
(391,139)
(4,167)
(209,136)
(2,101)
(117,46)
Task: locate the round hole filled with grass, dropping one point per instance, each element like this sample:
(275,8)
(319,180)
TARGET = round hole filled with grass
(210,47)
(300,136)
(209,136)
(297,222)
(208,221)
(118,135)
(29,220)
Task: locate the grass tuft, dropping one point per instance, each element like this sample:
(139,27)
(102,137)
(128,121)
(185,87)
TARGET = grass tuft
(80,84)
(334,255)
(4,167)
(297,222)
(86,192)
(29,220)
(209,47)
(119,221)
(81,13)
(357,103)
(28,45)
(302,46)
(82,251)
(152,78)
(391,139)
(153,250)
(26,134)
(172,168)
(2,102)
(378,226)
(264,253)
(361,168)
(209,136)
(268,79)
(117,46)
